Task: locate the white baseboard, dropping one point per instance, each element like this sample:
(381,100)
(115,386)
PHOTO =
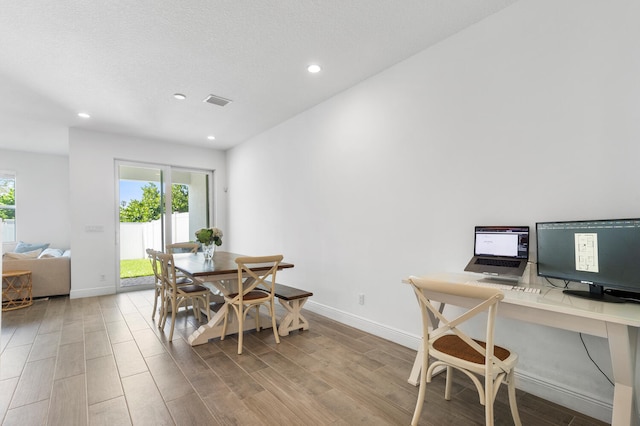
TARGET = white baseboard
(91,292)
(555,392)
(389,333)
(543,388)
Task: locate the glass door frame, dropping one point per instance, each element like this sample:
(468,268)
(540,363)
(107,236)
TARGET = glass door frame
(209,217)
(166,183)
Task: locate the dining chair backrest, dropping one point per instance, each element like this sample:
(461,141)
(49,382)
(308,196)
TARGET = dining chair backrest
(155,266)
(158,290)
(186,247)
(250,277)
(167,269)
(486,300)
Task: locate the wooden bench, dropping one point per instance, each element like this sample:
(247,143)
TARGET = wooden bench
(292,299)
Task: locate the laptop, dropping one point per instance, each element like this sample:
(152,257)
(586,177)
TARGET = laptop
(500,250)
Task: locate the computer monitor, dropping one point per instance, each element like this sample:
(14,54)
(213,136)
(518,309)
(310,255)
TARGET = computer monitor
(600,253)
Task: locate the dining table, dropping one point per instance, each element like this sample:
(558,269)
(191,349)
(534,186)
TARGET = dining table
(220,274)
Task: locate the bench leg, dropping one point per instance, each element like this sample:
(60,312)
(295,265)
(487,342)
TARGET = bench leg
(293,319)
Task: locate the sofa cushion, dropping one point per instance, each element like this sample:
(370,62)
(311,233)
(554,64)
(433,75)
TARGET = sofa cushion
(26,255)
(23,247)
(51,252)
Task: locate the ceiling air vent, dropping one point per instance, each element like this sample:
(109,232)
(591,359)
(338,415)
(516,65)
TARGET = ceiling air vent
(216,100)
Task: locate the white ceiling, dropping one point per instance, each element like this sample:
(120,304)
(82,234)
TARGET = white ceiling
(122,61)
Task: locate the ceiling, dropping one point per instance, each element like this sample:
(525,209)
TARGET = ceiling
(121,61)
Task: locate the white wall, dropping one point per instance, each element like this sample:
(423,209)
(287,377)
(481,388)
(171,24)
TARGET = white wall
(92,174)
(42,196)
(539,103)
(1,342)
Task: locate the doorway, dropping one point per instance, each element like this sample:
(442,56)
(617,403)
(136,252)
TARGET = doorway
(158,205)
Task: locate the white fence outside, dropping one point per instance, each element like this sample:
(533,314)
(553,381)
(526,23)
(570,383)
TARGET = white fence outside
(9,233)
(136,237)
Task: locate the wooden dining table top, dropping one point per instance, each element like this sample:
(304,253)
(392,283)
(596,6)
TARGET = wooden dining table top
(223,263)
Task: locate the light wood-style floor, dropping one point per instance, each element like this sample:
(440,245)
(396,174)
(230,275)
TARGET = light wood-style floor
(102,361)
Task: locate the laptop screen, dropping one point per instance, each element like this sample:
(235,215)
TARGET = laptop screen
(503,241)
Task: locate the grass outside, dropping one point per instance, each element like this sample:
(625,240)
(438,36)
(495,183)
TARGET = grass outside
(132,268)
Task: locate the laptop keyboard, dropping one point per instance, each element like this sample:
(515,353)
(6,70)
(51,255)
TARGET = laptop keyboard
(498,262)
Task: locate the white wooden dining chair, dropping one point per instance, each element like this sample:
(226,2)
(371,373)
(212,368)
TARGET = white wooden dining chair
(178,295)
(159,287)
(452,348)
(186,247)
(250,296)
(158,284)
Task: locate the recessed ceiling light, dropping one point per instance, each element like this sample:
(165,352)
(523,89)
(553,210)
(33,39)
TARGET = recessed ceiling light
(83,115)
(314,68)
(211,137)
(179,96)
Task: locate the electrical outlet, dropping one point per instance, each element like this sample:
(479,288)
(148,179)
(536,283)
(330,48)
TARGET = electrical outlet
(103,277)
(94,228)
(361,298)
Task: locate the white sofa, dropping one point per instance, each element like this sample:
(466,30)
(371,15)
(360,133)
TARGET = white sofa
(50,276)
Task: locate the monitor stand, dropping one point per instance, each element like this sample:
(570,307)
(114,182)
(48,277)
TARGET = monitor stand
(627,296)
(596,292)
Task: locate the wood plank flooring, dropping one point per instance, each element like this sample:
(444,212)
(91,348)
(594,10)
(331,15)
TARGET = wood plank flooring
(103,361)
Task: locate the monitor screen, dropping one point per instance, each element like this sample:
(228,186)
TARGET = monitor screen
(601,253)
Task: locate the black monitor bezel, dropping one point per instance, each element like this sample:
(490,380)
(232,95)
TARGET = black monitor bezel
(603,291)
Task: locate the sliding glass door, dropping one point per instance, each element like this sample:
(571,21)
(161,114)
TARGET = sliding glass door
(158,205)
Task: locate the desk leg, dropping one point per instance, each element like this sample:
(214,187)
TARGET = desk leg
(622,346)
(293,319)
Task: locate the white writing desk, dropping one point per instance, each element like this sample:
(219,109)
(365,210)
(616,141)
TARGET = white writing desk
(617,322)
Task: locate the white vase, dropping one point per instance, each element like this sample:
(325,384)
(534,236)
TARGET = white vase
(208,250)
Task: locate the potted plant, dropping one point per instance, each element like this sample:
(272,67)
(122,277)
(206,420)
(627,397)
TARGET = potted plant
(209,238)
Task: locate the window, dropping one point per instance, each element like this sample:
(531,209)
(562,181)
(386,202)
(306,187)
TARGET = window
(8,205)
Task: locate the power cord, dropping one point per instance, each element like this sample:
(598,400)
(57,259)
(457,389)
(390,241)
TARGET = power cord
(566,283)
(594,363)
